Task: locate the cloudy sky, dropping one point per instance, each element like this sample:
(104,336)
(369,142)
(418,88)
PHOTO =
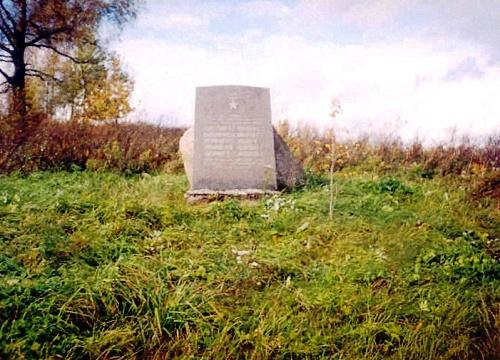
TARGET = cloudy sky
(397,67)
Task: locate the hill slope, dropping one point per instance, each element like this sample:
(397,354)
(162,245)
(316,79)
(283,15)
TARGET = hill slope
(103,265)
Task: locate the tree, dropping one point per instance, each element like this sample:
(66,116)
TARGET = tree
(110,101)
(98,90)
(54,25)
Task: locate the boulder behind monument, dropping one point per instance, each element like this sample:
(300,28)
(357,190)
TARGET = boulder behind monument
(289,172)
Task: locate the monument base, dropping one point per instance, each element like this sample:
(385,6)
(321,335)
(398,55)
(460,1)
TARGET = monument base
(205,195)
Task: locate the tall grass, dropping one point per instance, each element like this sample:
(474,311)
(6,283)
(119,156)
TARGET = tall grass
(313,148)
(114,265)
(101,265)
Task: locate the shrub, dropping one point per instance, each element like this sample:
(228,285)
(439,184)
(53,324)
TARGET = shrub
(129,147)
(312,148)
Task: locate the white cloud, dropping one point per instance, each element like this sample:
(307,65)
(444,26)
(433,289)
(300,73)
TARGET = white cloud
(182,20)
(373,14)
(264,8)
(162,17)
(423,85)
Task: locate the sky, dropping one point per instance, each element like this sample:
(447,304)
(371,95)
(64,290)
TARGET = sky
(407,68)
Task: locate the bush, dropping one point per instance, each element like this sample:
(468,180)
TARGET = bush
(312,148)
(128,147)
(142,147)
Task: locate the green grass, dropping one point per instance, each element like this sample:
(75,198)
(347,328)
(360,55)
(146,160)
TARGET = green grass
(99,265)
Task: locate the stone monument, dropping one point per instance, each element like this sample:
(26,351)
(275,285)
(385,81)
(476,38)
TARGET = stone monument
(232,149)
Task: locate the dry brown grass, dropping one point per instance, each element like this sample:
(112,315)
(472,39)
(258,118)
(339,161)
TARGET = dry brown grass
(131,147)
(313,150)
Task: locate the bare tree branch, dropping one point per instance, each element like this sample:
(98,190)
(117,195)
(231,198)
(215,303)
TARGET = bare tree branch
(5,75)
(47,34)
(42,75)
(6,30)
(3,36)
(7,34)
(8,14)
(5,48)
(59,52)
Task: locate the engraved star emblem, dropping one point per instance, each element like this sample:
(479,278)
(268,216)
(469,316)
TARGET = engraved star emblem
(233,105)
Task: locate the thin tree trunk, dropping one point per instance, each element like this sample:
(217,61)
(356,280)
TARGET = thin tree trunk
(333,150)
(72,112)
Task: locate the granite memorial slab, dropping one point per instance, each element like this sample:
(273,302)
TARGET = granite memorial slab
(233,139)
(231,151)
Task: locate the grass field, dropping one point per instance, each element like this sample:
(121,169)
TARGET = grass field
(101,265)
